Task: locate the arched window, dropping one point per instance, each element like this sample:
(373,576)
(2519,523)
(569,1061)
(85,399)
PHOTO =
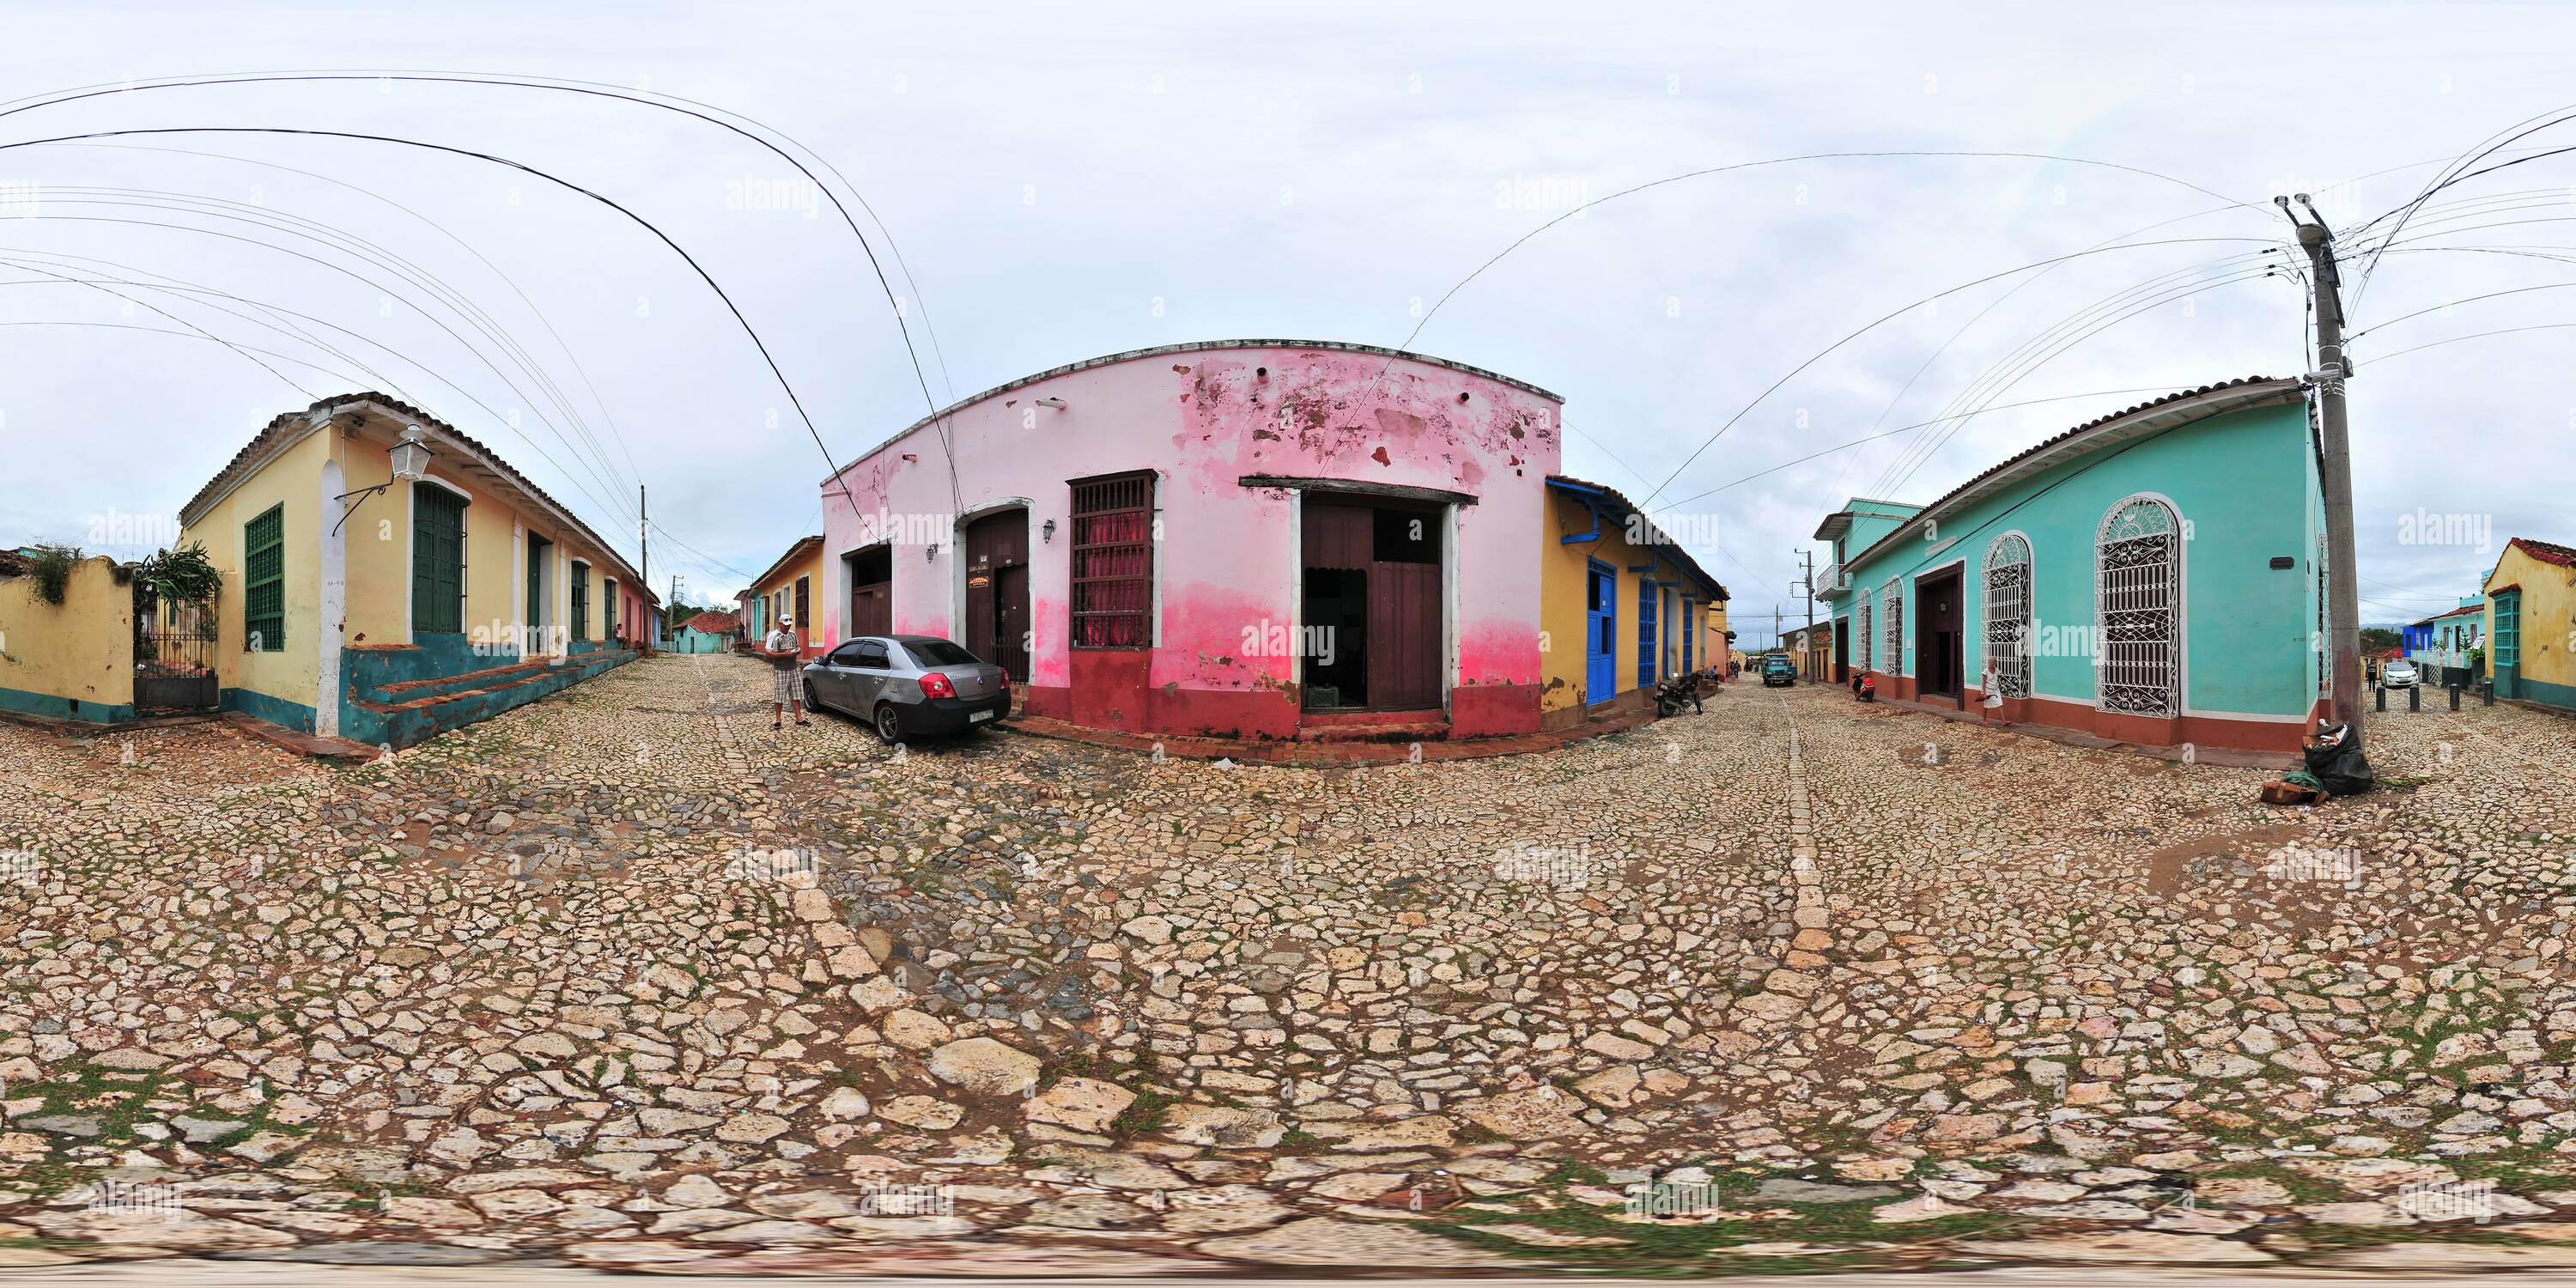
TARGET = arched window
(1861,637)
(1892,612)
(2138,594)
(2008,601)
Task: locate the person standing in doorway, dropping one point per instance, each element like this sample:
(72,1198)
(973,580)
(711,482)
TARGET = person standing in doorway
(785,691)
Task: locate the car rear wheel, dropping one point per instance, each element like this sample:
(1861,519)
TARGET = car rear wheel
(889,722)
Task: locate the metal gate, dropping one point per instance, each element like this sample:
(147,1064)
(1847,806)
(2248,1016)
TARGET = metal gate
(174,654)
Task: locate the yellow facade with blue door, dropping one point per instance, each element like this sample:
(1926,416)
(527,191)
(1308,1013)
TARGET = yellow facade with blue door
(1621,605)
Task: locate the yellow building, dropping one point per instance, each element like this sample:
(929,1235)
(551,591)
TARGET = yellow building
(2531,623)
(1621,606)
(788,589)
(383,609)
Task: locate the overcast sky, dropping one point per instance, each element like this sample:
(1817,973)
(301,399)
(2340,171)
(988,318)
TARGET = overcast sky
(1064,181)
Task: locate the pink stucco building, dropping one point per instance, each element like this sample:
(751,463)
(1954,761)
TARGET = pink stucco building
(1248,538)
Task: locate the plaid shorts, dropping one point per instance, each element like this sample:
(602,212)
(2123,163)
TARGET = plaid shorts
(786,684)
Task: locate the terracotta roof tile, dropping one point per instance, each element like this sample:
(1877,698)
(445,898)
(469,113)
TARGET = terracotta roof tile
(326,406)
(2547,551)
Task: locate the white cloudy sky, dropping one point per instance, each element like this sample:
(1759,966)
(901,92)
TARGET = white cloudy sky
(1070,180)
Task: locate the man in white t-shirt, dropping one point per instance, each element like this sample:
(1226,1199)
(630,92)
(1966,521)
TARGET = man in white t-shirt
(786,685)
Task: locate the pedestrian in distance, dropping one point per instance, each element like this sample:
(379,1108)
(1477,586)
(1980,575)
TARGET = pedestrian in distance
(784,692)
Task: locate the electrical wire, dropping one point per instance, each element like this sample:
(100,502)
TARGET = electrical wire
(648,225)
(599,90)
(1819,355)
(370,252)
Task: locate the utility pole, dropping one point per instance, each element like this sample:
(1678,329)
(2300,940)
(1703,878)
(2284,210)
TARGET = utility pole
(2343,585)
(644,570)
(1808,584)
(1775,626)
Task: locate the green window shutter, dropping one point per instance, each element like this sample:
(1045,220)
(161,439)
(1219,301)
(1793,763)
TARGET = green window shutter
(437,561)
(580,602)
(264,582)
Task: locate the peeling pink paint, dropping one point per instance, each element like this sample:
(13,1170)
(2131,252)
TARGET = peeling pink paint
(1228,559)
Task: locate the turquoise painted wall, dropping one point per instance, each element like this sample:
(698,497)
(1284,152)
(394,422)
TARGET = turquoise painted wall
(691,640)
(54,708)
(260,706)
(2245,486)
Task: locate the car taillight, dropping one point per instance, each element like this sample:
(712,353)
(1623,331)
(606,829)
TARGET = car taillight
(935,685)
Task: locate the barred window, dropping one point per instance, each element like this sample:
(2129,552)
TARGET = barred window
(1113,561)
(1892,608)
(1861,637)
(2138,594)
(264,581)
(2007,624)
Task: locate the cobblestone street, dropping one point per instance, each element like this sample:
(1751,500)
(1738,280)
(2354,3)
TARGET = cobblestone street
(625,978)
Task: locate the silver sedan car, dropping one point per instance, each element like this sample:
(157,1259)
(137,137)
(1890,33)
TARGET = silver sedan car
(908,684)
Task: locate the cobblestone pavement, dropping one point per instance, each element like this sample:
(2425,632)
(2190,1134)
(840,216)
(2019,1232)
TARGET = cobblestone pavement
(624,979)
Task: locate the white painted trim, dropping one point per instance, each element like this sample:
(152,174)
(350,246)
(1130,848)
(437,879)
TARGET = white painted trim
(2182,600)
(1296,601)
(2197,714)
(519,584)
(333,619)
(466,496)
(1449,605)
(2030,592)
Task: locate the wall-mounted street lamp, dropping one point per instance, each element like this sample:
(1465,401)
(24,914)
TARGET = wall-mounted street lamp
(410,455)
(930,553)
(1056,403)
(1046,531)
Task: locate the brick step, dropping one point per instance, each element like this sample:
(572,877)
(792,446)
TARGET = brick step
(406,691)
(1410,730)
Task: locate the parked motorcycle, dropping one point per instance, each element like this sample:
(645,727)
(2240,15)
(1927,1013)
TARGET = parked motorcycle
(1677,692)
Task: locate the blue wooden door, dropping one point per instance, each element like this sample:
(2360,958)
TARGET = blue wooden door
(1601,627)
(1690,634)
(1646,672)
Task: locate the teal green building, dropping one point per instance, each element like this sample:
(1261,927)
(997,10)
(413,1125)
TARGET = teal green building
(2152,577)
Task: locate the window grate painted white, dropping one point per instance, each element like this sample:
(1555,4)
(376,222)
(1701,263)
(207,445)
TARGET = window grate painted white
(1861,638)
(1892,601)
(2138,647)
(2007,623)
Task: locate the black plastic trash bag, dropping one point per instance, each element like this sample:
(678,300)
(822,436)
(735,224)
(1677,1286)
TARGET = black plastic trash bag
(2334,756)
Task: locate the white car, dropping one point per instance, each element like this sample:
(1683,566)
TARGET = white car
(2397,675)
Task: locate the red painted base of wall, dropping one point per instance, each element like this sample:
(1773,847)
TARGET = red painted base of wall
(2199,731)
(1111,690)
(1489,710)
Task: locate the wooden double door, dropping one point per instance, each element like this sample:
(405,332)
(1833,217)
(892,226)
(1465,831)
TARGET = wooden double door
(1375,636)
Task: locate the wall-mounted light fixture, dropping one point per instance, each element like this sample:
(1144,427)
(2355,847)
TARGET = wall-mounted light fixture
(410,455)
(930,553)
(1056,403)
(1046,531)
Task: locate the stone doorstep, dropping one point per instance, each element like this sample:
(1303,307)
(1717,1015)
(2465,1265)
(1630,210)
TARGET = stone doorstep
(303,744)
(1329,754)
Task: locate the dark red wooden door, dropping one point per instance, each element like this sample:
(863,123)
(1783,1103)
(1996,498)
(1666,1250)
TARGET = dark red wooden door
(1405,641)
(871,610)
(997,591)
(1400,642)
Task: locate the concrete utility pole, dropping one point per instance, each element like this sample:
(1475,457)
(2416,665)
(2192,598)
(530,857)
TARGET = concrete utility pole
(2343,585)
(644,563)
(1807,583)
